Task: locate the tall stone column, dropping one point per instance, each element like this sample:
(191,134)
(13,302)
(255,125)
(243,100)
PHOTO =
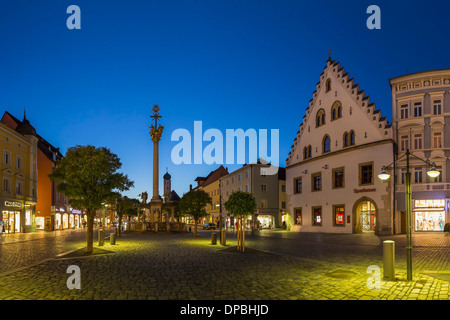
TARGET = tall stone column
(156,132)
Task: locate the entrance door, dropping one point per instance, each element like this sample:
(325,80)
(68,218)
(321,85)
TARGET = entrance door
(366,215)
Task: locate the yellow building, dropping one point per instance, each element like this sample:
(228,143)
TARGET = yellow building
(18,177)
(211,185)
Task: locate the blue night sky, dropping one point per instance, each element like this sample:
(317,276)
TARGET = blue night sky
(230,64)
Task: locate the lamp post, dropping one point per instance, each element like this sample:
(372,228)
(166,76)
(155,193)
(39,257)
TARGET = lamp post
(433,173)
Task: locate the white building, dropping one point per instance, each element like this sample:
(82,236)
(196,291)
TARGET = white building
(421,116)
(268,190)
(331,172)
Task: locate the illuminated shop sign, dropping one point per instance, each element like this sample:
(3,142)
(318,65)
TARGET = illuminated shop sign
(12,204)
(435,203)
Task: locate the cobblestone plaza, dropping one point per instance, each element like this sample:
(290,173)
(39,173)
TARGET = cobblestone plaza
(277,266)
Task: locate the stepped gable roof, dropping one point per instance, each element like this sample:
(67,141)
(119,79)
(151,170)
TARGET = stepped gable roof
(353,89)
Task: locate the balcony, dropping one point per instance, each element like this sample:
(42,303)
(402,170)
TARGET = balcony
(437,186)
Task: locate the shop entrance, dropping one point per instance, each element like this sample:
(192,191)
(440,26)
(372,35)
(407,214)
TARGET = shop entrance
(365,216)
(265,221)
(11,220)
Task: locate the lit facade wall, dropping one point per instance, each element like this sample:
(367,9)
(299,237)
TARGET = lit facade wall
(331,172)
(18,177)
(421,113)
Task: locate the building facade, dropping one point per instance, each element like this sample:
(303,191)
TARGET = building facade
(421,117)
(331,171)
(211,185)
(267,190)
(18,177)
(53,211)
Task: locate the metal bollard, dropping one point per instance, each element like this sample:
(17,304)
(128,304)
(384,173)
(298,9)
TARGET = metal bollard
(213,238)
(223,238)
(112,238)
(389,259)
(101,237)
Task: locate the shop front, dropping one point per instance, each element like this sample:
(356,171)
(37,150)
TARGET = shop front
(16,216)
(265,221)
(429,215)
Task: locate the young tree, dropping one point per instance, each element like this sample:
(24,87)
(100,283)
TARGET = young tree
(88,175)
(194,204)
(240,204)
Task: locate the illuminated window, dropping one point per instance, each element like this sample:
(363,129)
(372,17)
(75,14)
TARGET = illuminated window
(298,216)
(317,216)
(339,216)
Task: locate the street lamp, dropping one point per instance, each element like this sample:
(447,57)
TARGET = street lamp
(433,173)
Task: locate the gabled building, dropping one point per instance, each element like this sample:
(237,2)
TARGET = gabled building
(52,207)
(267,189)
(331,171)
(18,176)
(210,184)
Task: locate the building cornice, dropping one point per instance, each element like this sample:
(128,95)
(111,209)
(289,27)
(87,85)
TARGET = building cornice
(344,150)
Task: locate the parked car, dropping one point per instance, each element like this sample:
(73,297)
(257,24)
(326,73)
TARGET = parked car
(209,226)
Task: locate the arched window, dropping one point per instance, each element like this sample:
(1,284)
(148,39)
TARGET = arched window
(309,151)
(328,85)
(320,118)
(336,110)
(305,153)
(345,139)
(326,144)
(352,138)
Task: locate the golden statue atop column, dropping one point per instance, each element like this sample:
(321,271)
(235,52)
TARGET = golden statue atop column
(156,133)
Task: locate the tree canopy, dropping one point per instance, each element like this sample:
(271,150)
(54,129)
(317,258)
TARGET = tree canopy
(88,176)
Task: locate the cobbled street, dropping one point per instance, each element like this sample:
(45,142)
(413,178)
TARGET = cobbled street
(277,265)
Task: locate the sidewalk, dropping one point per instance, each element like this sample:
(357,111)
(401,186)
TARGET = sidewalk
(7,238)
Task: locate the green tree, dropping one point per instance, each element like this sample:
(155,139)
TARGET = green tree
(194,204)
(88,176)
(240,204)
(126,206)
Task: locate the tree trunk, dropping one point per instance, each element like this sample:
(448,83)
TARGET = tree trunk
(195,228)
(120,226)
(90,233)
